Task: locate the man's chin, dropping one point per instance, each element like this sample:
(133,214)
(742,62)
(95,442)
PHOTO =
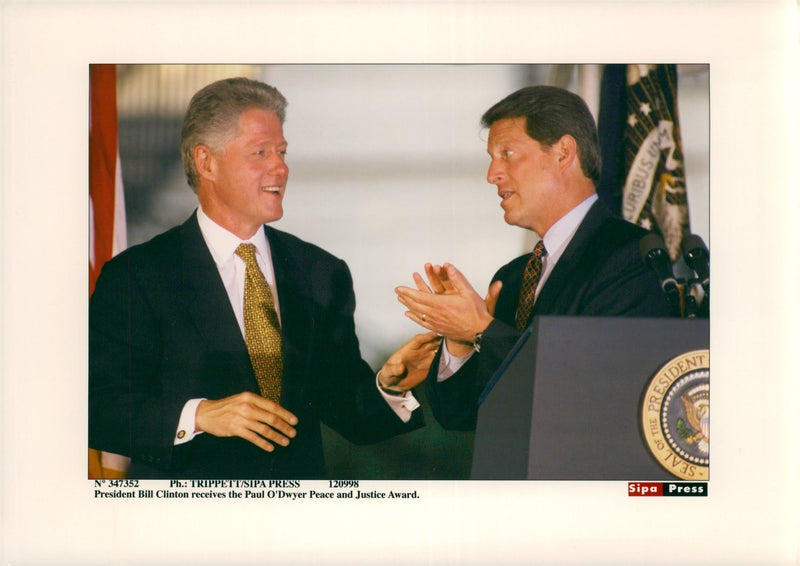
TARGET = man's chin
(274,216)
(511,218)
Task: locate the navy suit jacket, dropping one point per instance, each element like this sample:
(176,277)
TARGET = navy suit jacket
(600,273)
(162,331)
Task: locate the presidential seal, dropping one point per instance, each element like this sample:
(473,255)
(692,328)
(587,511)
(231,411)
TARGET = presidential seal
(675,415)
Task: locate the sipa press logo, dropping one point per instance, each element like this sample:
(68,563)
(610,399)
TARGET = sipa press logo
(667,489)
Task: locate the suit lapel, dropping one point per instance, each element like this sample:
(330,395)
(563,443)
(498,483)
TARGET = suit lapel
(206,299)
(569,264)
(293,280)
(208,304)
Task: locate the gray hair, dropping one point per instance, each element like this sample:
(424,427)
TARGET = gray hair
(213,115)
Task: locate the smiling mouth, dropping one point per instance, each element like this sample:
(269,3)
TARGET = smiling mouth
(272,189)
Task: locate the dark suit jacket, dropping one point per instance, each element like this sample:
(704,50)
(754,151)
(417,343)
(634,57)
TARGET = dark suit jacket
(162,331)
(601,273)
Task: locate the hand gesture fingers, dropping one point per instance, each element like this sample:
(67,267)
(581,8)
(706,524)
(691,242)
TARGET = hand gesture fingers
(420,283)
(492,295)
(438,279)
(249,416)
(435,274)
(416,300)
(408,365)
(417,352)
(455,310)
(420,309)
(453,279)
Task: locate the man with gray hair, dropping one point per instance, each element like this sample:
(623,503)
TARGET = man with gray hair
(218,347)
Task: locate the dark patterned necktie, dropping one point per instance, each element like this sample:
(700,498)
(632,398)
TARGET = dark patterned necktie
(530,279)
(262,331)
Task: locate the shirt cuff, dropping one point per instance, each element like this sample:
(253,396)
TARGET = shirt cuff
(402,405)
(186,424)
(450,364)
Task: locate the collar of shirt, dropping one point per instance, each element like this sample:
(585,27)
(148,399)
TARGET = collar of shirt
(559,236)
(222,244)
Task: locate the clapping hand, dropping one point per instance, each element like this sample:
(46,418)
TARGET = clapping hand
(448,305)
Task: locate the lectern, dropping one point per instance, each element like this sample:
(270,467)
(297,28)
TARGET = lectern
(566,402)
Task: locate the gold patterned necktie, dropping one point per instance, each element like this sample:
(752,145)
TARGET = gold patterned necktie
(530,279)
(262,330)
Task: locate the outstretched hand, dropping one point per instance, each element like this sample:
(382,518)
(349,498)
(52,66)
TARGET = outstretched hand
(408,366)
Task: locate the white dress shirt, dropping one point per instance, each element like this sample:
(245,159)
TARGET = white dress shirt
(222,244)
(555,241)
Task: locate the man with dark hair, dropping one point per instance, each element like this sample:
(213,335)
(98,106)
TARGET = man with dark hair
(545,162)
(218,347)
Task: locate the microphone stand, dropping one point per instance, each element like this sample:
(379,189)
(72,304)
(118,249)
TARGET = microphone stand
(690,307)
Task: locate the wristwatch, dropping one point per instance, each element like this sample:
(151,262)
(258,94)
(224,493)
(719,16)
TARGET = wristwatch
(476,342)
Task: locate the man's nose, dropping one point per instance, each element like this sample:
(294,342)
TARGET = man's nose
(496,173)
(277,165)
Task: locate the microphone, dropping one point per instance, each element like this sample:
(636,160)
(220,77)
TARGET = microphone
(655,256)
(695,253)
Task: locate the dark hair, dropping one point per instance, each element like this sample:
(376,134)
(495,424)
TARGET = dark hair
(213,114)
(551,112)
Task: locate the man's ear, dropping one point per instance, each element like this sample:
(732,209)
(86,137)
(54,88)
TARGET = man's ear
(567,151)
(204,162)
